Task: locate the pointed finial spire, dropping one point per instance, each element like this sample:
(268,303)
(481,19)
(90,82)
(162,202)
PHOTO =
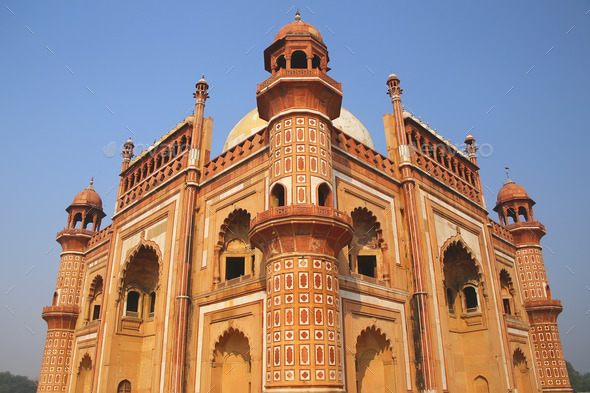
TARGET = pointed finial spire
(90,187)
(508,180)
(297,16)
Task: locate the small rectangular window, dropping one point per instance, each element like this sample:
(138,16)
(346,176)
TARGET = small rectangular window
(367,265)
(234,267)
(507,306)
(96,312)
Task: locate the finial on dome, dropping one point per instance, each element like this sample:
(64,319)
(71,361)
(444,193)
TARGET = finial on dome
(297,16)
(507,177)
(90,187)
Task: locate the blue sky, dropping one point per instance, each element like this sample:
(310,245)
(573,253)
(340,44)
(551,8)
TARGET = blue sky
(78,78)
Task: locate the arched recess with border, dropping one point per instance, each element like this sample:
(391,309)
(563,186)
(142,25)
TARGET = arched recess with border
(231,363)
(365,252)
(234,255)
(375,363)
(142,269)
(522,373)
(508,291)
(84,375)
(94,300)
(481,385)
(137,336)
(463,277)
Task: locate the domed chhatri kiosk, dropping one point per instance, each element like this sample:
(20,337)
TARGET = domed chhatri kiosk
(301,259)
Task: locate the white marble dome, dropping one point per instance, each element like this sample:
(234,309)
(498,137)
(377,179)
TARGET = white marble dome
(252,123)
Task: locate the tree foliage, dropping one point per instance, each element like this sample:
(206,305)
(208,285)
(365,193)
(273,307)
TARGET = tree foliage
(580,382)
(16,383)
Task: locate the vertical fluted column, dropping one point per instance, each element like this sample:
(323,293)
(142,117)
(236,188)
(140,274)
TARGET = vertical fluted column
(420,290)
(184,257)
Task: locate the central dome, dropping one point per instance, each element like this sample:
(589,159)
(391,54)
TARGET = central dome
(298,28)
(252,123)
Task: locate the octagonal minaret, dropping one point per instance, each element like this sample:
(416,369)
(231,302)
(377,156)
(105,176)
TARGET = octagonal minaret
(515,209)
(84,217)
(301,233)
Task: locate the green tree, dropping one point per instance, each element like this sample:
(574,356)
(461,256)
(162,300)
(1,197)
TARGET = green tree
(16,383)
(580,382)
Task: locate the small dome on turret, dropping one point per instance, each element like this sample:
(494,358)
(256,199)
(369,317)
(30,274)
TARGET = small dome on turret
(511,191)
(202,81)
(298,28)
(392,77)
(88,197)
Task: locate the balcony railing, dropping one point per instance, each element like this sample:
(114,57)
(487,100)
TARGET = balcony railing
(300,210)
(299,73)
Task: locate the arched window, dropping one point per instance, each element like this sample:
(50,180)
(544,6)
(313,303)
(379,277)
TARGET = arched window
(523,214)
(174,149)
(281,63)
(365,254)
(166,155)
(55,299)
(237,256)
(471,303)
(132,304)
(152,304)
(124,387)
(88,224)
(140,279)
(95,298)
(511,215)
(324,195)
(461,276)
(77,220)
(277,195)
(451,300)
(507,292)
(316,62)
(299,59)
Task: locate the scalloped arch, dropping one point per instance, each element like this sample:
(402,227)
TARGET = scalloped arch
(378,330)
(373,220)
(509,279)
(228,332)
(458,240)
(93,284)
(227,222)
(143,243)
(85,358)
(518,350)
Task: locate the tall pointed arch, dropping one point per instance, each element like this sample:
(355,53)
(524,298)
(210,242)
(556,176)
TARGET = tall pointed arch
(143,247)
(232,362)
(375,370)
(84,374)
